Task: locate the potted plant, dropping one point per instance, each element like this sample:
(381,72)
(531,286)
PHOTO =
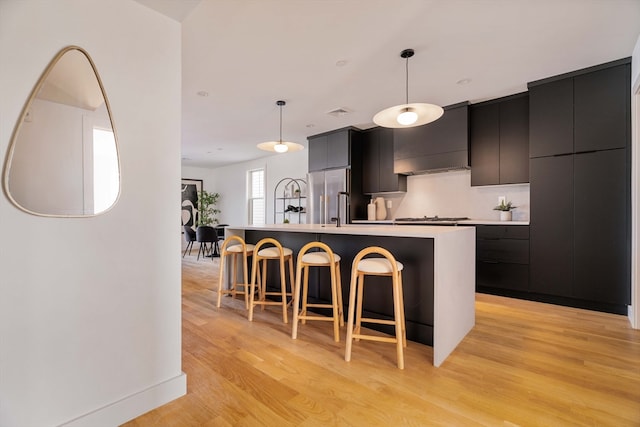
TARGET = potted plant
(207,208)
(505,209)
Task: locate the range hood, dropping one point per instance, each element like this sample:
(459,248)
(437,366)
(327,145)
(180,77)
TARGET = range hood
(439,146)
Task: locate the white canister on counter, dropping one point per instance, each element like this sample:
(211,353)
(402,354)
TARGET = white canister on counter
(381,210)
(371,211)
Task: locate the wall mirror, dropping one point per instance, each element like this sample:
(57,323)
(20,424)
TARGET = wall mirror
(63,157)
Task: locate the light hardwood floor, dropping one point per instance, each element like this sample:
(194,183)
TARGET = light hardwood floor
(523,364)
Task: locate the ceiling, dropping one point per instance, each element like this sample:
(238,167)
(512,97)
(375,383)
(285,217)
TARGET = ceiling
(320,56)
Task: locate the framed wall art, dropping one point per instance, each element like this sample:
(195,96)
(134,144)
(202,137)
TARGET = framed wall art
(190,190)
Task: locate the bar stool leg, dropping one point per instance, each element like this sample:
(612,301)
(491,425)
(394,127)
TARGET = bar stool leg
(305,293)
(291,277)
(352,307)
(404,327)
(283,290)
(397,292)
(296,302)
(334,303)
(339,284)
(220,278)
(252,286)
(360,289)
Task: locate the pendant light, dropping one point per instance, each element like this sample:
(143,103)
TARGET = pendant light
(408,115)
(280,146)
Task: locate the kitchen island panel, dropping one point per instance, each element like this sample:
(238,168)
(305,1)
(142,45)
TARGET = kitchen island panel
(438,280)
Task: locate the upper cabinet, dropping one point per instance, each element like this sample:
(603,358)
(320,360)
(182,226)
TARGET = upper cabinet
(551,118)
(331,150)
(600,106)
(377,163)
(440,145)
(499,141)
(581,111)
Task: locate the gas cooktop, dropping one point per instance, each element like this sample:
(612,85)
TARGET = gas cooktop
(430,220)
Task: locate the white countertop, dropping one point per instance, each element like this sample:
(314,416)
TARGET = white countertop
(465,222)
(420,231)
(491,222)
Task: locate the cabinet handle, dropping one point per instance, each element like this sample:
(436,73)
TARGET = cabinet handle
(489,262)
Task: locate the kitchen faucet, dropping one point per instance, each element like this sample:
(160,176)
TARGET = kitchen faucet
(337,218)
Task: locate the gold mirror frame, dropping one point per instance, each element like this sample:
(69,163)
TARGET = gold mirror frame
(56,145)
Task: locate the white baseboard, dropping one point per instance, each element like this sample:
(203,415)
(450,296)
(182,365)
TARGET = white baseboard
(130,407)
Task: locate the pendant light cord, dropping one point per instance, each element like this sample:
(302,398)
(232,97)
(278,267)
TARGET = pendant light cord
(280,124)
(407,79)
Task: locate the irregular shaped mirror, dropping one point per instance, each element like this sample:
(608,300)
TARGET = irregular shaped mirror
(63,157)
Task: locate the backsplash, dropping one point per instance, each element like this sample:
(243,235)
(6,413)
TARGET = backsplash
(450,194)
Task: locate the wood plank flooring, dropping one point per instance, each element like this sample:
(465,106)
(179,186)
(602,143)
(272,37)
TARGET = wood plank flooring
(523,364)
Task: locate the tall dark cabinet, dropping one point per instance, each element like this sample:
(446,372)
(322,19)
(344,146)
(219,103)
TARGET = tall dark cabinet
(580,133)
(377,163)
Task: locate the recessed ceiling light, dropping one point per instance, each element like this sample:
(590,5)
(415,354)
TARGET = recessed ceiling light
(203,93)
(310,125)
(341,63)
(463,82)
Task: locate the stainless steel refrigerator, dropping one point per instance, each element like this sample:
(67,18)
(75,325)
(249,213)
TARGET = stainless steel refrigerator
(324,189)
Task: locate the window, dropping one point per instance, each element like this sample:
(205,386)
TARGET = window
(255,181)
(106,180)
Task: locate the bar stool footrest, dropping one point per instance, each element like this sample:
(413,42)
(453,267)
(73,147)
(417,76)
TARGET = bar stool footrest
(323,318)
(375,338)
(320,305)
(378,321)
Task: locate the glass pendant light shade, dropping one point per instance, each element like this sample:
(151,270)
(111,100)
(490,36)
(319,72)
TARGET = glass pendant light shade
(280,146)
(408,115)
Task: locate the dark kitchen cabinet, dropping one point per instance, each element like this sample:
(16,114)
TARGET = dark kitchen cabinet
(485,144)
(551,118)
(317,153)
(601,109)
(440,145)
(377,163)
(580,175)
(502,258)
(551,197)
(601,258)
(587,110)
(499,141)
(332,150)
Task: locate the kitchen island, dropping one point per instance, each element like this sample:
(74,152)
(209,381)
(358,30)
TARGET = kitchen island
(438,276)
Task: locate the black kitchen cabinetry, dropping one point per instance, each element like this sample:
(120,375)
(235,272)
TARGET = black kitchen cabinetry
(417,256)
(332,150)
(499,141)
(440,145)
(377,163)
(580,127)
(602,102)
(551,118)
(601,227)
(582,111)
(552,214)
(502,258)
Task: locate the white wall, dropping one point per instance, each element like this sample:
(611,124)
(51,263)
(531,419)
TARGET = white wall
(231,182)
(90,324)
(450,194)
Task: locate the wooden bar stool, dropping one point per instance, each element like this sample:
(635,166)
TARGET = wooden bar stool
(235,250)
(278,253)
(324,258)
(387,267)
